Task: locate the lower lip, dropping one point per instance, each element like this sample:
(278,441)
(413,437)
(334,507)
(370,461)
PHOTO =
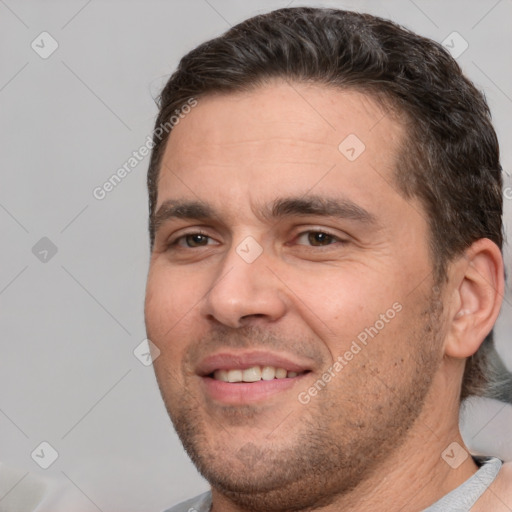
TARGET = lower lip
(247,392)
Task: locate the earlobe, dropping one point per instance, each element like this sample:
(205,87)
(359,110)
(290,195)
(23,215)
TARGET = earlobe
(477,297)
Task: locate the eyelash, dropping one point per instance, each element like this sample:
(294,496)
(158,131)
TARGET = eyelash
(336,239)
(176,242)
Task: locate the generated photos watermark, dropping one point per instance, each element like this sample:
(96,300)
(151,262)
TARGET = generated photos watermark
(367,334)
(101,191)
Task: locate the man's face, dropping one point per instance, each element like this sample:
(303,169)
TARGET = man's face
(289,253)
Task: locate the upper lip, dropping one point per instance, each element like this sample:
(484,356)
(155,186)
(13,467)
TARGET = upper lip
(242,360)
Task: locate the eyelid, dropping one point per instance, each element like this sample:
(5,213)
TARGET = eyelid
(181,234)
(176,237)
(326,231)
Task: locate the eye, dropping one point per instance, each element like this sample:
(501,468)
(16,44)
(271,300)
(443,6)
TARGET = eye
(191,240)
(317,238)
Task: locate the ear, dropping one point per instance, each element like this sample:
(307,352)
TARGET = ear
(477,284)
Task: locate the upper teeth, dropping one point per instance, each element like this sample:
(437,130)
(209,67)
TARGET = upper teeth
(253,374)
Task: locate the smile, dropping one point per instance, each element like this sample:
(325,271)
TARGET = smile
(254,374)
(242,377)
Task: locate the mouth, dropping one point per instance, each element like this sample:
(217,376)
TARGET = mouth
(254,374)
(241,378)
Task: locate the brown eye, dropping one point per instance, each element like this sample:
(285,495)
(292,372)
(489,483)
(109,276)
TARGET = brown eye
(196,240)
(318,238)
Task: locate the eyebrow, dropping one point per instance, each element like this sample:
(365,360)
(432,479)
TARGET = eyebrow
(181,209)
(318,205)
(280,208)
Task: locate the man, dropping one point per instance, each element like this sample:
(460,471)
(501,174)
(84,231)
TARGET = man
(326,268)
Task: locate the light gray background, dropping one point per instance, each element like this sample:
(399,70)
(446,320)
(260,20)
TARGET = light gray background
(69,326)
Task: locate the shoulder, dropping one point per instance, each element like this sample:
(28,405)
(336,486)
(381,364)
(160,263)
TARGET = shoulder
(504,481)
(498,497)
(201,503)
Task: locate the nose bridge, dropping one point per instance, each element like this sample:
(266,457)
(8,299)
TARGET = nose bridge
(245,286)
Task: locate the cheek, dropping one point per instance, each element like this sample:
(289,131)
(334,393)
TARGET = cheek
(342,301)
(368,317)
(171,299)
(169,313)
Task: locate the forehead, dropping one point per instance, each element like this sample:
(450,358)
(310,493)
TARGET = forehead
(280,133)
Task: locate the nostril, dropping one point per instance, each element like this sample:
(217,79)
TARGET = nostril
(256,315)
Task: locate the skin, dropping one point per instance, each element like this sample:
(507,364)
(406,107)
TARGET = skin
(372,439)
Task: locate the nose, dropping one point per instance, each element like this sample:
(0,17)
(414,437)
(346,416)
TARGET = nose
(243,292)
